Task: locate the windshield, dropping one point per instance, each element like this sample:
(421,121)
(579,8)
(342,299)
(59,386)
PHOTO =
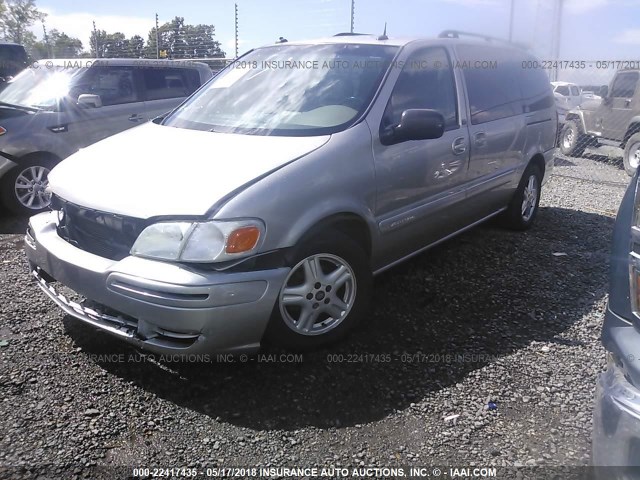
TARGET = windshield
(40,88)
(295,90)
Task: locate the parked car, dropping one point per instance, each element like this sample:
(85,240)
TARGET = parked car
(613,120)
(13,59)
(56,107)
(568,96)
(263,206)
(616,420)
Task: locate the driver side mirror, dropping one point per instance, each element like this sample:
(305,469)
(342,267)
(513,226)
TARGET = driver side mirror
(90,100)
(415,124)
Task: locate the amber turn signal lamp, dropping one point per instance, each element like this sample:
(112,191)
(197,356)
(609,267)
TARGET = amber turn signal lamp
(243,239)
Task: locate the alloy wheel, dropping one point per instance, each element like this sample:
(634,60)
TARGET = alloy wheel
(318,294)
(30,187)
(530,198)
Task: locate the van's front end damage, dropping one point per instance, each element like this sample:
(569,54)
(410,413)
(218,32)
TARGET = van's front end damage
(163,307)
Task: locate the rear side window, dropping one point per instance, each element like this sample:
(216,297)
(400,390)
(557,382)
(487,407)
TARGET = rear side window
(492,76)
(575,91)
(535,87)
(161,83)
(426,82)
(563,90)
(625,85)
(115,85)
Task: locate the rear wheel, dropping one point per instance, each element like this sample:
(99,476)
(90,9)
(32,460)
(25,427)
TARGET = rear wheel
(632,154)
(572,141)
(325,295)
(24,187)
(523,208)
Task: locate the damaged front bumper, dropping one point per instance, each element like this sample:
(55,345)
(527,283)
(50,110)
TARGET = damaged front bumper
(158,306)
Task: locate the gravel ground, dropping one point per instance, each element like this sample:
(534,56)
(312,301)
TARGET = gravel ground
(491,316)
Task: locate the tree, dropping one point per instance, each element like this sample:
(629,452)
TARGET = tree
(182,40)
(16,19)
(136,46)
(57,45)
(116,45)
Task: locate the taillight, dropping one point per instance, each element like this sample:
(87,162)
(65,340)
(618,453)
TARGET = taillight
(3,130)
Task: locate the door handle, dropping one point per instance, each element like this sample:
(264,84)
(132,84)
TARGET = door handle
(459,146)
(134,117)
(480,139)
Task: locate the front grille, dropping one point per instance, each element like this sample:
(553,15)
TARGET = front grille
(101,233)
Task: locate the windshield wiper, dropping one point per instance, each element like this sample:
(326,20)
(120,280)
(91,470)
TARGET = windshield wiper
(19,107)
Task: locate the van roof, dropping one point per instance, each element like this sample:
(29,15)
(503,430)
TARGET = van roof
(88,62)
(373,39)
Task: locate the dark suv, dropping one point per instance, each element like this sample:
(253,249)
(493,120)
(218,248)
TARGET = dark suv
(13,59)
(612,120)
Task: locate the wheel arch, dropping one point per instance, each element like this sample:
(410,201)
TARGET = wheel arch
(349,223)
(539,161)
(577,117)
(634,127)
(38,154)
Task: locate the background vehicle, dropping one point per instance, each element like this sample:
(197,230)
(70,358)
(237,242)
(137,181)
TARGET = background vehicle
(568,96)
(321,177)
(51,110)
(13,59)
(613,120)
(616,422)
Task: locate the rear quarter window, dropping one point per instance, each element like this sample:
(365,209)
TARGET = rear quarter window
(492,76)
(535,88)
(162,83)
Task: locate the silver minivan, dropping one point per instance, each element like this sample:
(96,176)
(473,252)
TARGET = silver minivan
(262,207)
(56,107)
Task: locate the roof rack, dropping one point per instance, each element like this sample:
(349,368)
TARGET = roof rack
(487,38)
(350,34)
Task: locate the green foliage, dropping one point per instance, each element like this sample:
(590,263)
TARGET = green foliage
(182,40)
(15,19)
(177,39)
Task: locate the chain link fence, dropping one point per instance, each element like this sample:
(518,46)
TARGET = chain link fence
(598,106)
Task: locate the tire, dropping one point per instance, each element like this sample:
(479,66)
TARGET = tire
(572,141)
(315,297)
(631,155)
(32,173)
(519,216)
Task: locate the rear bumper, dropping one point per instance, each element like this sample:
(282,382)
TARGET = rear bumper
(616,417)
(158,306)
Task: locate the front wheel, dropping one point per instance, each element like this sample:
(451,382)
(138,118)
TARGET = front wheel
(632,154)
(24,188)
(523,207)
(326,293)
(572,141)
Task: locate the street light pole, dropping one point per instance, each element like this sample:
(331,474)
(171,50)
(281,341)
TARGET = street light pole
(353,14)
(558,36)
(511,13)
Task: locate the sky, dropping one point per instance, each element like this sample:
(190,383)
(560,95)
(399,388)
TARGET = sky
(591,29)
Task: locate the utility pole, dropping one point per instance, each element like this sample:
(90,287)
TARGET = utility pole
(236,29)
(353,14)
(157,39)
(95,35)
(46,41)
(513,4)
(557,36)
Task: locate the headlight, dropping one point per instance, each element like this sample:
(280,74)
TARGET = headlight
(201,242)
